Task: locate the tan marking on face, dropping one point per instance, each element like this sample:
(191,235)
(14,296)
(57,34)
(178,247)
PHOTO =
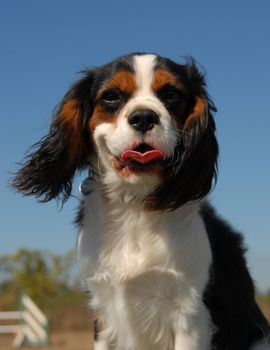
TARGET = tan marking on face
(123,80)
(163,77)
(70,116)
(198,112)
(99,116)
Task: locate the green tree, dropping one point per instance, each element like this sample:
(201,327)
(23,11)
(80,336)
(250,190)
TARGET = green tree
(43,276)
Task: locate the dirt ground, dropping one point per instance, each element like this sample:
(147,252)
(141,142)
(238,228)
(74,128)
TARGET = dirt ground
(62,340)
(81,339)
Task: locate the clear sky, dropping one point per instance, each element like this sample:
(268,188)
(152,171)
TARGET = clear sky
(44,43)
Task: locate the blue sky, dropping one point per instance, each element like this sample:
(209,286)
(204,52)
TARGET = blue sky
(45,43)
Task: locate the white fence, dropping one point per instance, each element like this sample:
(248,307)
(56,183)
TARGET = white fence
(31,327)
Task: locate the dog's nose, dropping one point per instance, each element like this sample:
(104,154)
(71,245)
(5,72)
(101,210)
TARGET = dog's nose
(143,120)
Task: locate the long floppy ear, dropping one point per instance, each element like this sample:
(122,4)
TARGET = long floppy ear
(48,170)
(191,178)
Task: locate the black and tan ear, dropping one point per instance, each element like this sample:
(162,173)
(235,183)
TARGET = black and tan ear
(48,170)
(191,178)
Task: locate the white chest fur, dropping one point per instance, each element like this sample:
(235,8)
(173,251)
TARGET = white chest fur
(147,272)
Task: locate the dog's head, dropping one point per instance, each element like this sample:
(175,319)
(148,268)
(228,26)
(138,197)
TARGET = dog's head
(142,122)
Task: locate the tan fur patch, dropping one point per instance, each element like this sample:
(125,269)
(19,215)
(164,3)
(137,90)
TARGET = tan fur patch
(122,80)
(99,116)
(70,116)
(163,77)
(198,112)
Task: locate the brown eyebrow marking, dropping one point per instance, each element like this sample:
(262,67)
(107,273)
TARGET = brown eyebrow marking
(122,80)
(163,77)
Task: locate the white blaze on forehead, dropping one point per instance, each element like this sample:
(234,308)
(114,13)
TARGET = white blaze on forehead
(144,69)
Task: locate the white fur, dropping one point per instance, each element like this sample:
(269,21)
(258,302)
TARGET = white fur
(144,68)
(147,273)
(101,345)
(146,284)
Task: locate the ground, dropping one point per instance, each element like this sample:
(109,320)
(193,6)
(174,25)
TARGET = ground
(72,328)
(61,340)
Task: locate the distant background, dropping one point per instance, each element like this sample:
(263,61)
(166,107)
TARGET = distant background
(45,43)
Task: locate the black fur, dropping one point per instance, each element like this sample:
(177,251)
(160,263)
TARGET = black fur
(230,295)
(80,214)
(48,172)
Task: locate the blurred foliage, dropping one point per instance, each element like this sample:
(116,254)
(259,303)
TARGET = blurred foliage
(48,279)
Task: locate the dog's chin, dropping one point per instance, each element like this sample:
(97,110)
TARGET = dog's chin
(136,173)
(135,169)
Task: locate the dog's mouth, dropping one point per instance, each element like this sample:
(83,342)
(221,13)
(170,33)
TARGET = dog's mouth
(143,158)
(142,154)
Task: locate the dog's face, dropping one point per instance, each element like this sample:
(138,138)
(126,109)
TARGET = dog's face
(133,125)
(141,120)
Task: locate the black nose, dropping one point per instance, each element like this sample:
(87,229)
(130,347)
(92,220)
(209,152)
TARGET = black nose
(143,120)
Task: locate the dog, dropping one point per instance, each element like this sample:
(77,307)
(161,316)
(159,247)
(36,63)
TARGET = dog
(164,270)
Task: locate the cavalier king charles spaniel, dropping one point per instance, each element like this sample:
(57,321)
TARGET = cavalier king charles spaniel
(164,271)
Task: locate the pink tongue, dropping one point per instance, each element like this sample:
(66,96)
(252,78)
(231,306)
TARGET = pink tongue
(142,158)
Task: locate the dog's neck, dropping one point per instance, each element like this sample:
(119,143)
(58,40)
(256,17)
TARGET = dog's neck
(122,196)
(121,193)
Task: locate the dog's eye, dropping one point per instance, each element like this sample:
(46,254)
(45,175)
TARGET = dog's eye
(111,96)
(170,95)
(112,99)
